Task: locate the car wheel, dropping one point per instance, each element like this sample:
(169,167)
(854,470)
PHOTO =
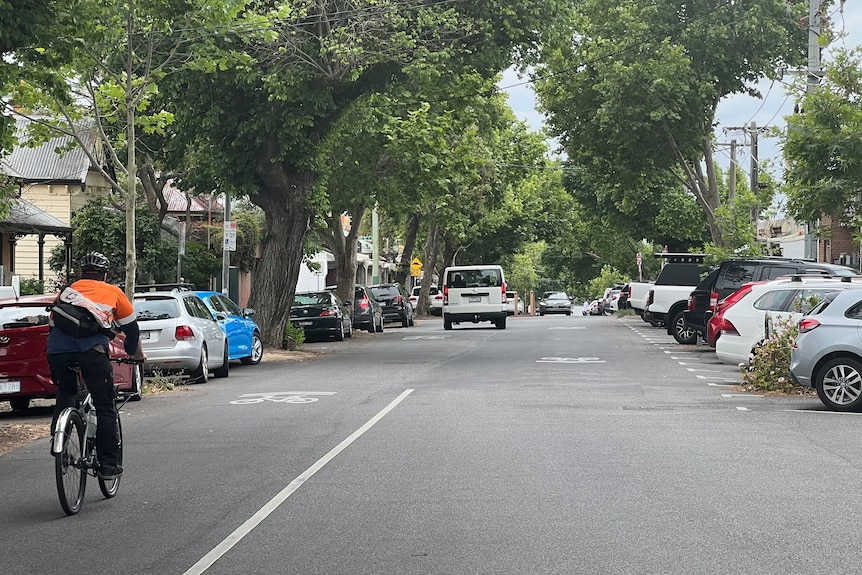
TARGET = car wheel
(447,324)
(224,370)
(839,384)
(405,321)
(379,328)
(19,403)
(682,333)
(412,321)
(501,323)
(340,335)
(201,374)
(256,351)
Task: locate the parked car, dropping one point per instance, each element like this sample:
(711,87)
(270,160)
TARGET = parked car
(395,302)
(180,335)
(435,299)
(714,325)
(777,301)
(24,371)
(367,311)
(592,308)
(730,275)
(322,313)
(827,353)
(511,296)
(243,334)
(555,302)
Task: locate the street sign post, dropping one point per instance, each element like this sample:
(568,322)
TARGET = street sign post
(416,267)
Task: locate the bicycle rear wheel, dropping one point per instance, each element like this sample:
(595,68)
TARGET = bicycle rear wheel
(109,487)
(70,473)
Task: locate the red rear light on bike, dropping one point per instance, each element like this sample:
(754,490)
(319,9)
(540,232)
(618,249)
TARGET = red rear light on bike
(330,311)
(184,333)
(807,325)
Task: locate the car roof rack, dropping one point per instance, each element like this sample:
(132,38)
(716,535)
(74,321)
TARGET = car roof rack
(680,258)
(143,288)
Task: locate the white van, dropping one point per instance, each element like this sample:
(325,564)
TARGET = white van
(474,294)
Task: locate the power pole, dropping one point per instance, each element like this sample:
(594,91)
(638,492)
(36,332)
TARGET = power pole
(731,192)
(755,175)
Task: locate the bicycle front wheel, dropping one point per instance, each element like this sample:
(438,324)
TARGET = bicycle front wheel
(70,472)
(109,487)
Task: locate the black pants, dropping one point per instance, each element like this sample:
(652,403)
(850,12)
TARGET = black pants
(99,378)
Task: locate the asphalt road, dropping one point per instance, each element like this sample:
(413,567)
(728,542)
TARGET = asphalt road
(559,445)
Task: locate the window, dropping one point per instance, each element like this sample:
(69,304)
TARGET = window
(772,272)
(774,300)
(153,309)
(736,274)
(229,306)
(806,300)
(20,317)
(196,308)
(855,311)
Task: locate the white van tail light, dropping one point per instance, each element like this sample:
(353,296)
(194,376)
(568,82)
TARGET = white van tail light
(445,295)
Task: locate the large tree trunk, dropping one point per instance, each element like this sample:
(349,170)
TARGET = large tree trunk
(283,198)
(343,248)
(431,251)
(403,270)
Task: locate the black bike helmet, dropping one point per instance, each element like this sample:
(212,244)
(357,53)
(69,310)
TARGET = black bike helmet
(95,262)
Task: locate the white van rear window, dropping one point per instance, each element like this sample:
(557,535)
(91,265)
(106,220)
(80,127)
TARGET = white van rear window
(474,278)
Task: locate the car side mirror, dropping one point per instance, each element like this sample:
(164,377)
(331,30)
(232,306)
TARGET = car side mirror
(218,316)
(248,312)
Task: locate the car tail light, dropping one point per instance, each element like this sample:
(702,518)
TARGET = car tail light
(445,295)
(398,300)
(691,300)
(726,326)
(364,303)
(650,297)
(713,300)
(330,311)
(503,287)
(184,333)
(807,324)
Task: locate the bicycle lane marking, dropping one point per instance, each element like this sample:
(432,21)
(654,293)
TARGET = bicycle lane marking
(280,397)
(240,532)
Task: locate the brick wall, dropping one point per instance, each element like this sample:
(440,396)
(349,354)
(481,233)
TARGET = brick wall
(836,240)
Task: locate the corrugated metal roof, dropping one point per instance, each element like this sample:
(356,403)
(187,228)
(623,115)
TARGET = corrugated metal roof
(43,163)
(24,217)
(177,203)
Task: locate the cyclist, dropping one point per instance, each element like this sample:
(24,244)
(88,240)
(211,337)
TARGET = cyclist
(91,354)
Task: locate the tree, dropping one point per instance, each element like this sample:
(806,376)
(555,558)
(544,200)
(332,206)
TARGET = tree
(254,121)
(631,89)
(822,146)
(98,77)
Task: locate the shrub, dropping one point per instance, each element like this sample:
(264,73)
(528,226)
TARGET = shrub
(769,362)
(292,334)
(32,286)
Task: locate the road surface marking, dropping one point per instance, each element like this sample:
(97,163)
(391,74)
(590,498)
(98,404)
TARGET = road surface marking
(740,395)
(227,544)
(570,360)
(425,337)
(742,408)
(280,397)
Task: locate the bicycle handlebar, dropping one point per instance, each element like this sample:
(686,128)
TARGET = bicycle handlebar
(128,360)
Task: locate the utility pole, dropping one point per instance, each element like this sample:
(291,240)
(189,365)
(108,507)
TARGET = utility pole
(731,192)
(755,175)
(375,246)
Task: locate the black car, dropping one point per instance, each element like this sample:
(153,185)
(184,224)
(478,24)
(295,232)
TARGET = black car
(367,311)
(321,314)
(730,275)
(395,301)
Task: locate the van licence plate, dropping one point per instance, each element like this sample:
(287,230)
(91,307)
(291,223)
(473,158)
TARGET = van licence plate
(305,323)
(474,298)
(145,335)
(10,386)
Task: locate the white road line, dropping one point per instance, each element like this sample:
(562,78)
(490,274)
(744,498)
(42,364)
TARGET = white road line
(742,408)
(720,384)
(709,370)
(227,544)
(740,395)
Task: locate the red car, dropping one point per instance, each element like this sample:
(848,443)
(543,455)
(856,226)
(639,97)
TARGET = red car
(716,322)
(24,372)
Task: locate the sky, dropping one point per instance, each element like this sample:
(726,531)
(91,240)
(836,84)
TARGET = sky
(736,111)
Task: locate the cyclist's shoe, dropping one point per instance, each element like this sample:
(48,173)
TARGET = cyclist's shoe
(110,471)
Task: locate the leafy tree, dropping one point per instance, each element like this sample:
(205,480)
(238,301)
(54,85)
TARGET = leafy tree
(631,88)
(823,146)
(253,119)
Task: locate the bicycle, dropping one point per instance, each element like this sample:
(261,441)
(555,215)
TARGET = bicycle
(74,447)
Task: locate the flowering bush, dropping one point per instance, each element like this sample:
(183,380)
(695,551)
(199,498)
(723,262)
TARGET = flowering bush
(769,362)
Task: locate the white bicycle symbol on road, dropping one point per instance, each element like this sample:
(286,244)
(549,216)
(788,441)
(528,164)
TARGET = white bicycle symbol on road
(280,397)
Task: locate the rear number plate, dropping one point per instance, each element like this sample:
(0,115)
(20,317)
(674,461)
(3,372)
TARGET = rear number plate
(305,323)
(145,335)
(474,298)
(10,386)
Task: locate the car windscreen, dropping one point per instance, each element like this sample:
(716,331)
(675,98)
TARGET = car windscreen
(156,308)
(558,295)
(13,317)
(317,298)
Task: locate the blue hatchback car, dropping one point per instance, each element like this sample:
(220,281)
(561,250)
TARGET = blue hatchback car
(243,335)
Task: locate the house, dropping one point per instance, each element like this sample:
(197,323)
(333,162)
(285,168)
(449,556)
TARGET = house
(51,187)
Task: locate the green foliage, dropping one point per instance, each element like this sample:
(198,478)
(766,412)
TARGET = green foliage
(200,265)
(769,367)
(32,286)
(294,333)
(608,277)
(822,145)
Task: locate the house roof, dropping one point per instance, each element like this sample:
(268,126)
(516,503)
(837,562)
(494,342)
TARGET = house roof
(25,218)
(43,163)
(177,202)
